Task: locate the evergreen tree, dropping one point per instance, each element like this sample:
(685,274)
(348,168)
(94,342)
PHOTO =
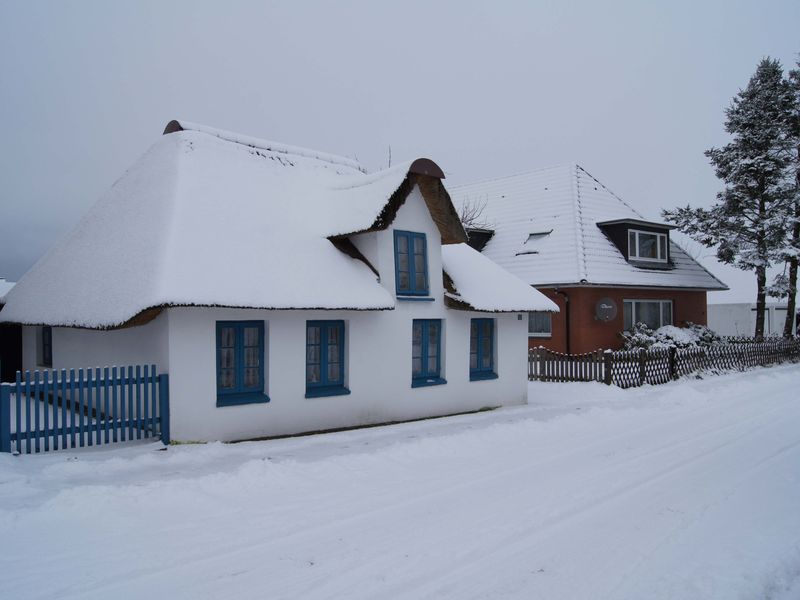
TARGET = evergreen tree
(788,284)
(746,224)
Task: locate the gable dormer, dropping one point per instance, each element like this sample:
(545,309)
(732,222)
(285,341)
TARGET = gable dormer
(644,244)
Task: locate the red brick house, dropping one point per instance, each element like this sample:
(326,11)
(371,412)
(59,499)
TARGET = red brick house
(573,239)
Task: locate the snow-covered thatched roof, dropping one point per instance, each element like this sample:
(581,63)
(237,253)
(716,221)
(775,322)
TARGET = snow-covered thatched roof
(212,218)
(545,232)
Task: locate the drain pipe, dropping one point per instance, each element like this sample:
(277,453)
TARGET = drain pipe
(566,314)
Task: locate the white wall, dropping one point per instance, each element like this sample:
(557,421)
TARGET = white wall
(82,348)
(740,318)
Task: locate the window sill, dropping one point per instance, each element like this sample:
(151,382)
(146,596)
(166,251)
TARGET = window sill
(330,391)
(482,376)
(426,381)
(541,336)
(415,299)
(238,399)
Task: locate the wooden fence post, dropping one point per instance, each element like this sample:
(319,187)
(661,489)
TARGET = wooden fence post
(642,370)
(163,407)
(673,366)
(542,361)
(608,358)
(5,418)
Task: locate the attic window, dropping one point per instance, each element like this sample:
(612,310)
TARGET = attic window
(647,246)
(531,244)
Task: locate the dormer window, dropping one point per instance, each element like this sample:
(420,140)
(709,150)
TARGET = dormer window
(646,245)
(411,263)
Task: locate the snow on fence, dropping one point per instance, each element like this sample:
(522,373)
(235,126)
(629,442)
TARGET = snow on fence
(631,368)
(52,410)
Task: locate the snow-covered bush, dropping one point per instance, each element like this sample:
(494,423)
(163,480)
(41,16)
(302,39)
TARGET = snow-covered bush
(669,336)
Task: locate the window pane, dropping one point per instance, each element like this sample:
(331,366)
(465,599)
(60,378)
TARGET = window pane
(312,354)
(416,366)
(226,379)
(312,335)
(486,359)
(632,243)
(251,336)
(334,373)
(227,337)
(628,310)
(649,314)
(312,373)
(226,358)
(473,360)
(666,313)
(251,357)
(402,262)
(419,263)
(648,245)
(250,378)
(402,244)
(333,353)
(403,283)
(419,281)
(662,247)
(419,245)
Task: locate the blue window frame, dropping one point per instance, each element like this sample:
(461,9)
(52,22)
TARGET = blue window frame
(481,349)
(240,362)
(426,352)
(410,263)
(325,359)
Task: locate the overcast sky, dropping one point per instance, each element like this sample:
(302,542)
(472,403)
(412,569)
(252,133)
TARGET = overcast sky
(632,91)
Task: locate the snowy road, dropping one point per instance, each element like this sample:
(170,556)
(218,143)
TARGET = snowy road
(688,490)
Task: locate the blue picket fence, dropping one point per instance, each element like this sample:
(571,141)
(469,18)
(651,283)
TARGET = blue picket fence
(63,409)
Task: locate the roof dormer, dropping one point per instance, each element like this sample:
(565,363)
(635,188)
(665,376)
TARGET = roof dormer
(644,244)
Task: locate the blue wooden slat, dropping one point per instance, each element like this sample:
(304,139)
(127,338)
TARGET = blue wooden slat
(28,412)
(37,401)
(163,407)
(63,398)
(97,406)
(130,403)
(114,405)
(18,402)
(53,435)
(5,417)
(106,413)
(87,384)
(46,395)
(146,401)
(153,399)
(138,402)
(73,408)
(81,410)
(122,404)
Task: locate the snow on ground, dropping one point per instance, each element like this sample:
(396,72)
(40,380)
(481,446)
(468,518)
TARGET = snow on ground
(686,490)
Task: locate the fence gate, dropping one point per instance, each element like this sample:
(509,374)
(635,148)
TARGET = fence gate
(60,409)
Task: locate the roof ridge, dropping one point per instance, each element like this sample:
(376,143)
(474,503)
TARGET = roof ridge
(606,188)
(579,231)
(518,174)
(262,144)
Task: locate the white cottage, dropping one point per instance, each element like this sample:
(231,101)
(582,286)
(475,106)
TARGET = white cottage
(284,290)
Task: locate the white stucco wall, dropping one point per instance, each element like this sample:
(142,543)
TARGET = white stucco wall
(82,348)
(377,364)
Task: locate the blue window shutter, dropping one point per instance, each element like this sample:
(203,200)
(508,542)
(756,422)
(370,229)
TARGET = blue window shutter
(411,263)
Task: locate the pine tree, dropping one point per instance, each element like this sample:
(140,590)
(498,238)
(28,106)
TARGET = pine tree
(793,213)
(746,224)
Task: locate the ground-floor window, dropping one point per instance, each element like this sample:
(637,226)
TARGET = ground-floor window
(540,324)
(653,313)
(426,352)
(240,362)
(325,359)
(481,349)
